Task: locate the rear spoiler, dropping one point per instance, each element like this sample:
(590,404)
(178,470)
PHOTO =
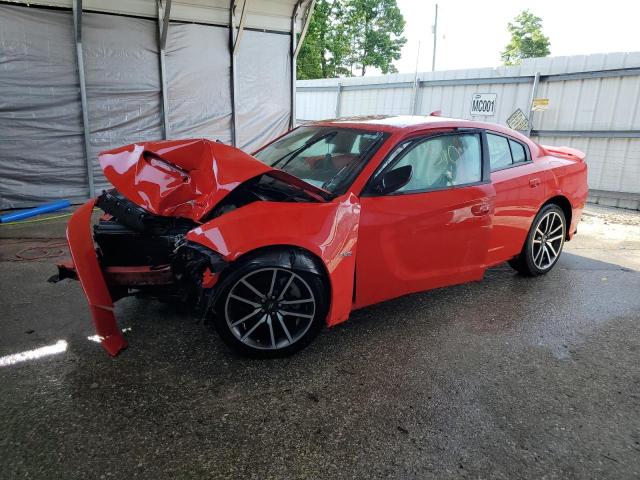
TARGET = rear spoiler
(564,152)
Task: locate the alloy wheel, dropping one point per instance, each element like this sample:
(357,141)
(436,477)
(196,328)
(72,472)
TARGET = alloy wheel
(270,308)
(548,239)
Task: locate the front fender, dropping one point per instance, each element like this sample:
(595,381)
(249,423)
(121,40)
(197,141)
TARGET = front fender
(328,230)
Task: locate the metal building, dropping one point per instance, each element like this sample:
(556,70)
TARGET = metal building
(593,105)
(80,77)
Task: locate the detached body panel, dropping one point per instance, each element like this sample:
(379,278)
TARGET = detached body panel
(92,279)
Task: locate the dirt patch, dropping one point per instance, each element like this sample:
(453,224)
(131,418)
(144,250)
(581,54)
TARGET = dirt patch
(610,215)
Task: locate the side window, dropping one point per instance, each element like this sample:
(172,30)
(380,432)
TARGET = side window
(499,152)
(517,152)
(439,162)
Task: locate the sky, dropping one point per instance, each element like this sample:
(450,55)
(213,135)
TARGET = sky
(472,34)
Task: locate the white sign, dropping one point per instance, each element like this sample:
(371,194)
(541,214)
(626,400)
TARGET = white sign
(483,104)
(518,121)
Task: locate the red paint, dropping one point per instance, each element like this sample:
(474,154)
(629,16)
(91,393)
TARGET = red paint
(184,178)
(391,245)
(92,279)
(209,279)
(138,275)
(520,191)
(328,230)
(181,178)
(414,242)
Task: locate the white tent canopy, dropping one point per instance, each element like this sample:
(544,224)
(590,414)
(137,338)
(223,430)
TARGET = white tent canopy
(80,77)
(272,15)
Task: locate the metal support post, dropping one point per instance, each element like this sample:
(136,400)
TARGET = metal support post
(77,27)
(164,13)
(534,92)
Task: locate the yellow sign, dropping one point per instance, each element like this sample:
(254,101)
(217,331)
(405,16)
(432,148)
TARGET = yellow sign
(540,104)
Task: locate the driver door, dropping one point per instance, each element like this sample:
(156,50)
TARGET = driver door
(435,230)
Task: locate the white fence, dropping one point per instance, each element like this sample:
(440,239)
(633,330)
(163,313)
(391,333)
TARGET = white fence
(594,105)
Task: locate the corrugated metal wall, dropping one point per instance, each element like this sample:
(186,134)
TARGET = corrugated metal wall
(597,112)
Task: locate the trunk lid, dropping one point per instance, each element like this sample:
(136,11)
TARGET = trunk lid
(185,178)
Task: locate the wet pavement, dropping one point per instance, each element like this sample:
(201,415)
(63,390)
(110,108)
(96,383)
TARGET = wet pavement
(510,377)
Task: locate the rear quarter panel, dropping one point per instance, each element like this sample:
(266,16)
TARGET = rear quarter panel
(567,178)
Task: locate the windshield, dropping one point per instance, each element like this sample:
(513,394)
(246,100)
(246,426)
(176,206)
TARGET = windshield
(326,157)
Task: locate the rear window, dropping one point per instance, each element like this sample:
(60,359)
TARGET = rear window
(517,152)
(499,152)
(504,152)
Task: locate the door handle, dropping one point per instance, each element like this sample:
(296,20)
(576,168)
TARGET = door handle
(481,209)
(534,182)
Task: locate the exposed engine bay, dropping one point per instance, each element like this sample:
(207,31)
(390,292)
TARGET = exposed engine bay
(187,219)
(131,238)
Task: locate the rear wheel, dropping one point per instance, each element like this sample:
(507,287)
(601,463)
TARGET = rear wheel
(544,242)
(270,311)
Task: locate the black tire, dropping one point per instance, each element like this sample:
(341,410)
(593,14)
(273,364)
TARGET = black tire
(533,260)
(258,274)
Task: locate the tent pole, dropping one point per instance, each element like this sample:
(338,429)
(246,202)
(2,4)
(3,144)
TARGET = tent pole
(296,44)
(234,43)
(243,18)
(305,27)
(77,27)
(292,53)
(164,14)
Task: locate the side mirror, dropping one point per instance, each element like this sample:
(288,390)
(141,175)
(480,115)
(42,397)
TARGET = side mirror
(393,180)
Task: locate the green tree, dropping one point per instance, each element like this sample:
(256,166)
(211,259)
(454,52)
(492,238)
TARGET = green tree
(326,45)
(312,60)
(527,39)
(348,35)
(376,28)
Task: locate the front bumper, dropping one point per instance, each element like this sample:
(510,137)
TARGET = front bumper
(196,265)
(88,271)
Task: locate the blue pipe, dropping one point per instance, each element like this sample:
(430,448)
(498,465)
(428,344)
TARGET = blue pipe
(32,212)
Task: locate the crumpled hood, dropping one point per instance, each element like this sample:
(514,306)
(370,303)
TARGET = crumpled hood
(179,178)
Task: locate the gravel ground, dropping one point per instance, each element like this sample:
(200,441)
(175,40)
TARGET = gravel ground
(611,216)
(510,377)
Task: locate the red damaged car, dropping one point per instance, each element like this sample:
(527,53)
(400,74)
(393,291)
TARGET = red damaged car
(328,218)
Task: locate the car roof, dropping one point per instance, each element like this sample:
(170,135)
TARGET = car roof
(413,123)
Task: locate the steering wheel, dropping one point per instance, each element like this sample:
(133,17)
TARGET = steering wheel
(327,161)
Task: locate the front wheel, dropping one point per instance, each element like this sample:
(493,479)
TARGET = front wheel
(270,311)
(544,242)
